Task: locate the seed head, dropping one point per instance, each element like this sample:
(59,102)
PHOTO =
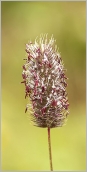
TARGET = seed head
(45,83)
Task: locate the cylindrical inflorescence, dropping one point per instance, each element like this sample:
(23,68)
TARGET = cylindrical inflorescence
(45,83)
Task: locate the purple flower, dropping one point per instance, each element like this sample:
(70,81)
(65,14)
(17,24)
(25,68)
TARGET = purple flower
(45,83)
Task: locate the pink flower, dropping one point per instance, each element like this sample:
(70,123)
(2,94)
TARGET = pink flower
(45,83)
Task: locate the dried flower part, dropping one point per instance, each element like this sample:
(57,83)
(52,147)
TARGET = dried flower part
(45,83)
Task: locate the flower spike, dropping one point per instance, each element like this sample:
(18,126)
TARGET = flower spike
(45,83)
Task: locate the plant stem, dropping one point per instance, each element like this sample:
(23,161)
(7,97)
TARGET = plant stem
(50,154)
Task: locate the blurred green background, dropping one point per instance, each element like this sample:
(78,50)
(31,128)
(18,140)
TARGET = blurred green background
(25,147)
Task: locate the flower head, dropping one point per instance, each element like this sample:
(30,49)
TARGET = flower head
(45,83)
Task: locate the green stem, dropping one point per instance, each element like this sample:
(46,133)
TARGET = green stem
(50,154)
